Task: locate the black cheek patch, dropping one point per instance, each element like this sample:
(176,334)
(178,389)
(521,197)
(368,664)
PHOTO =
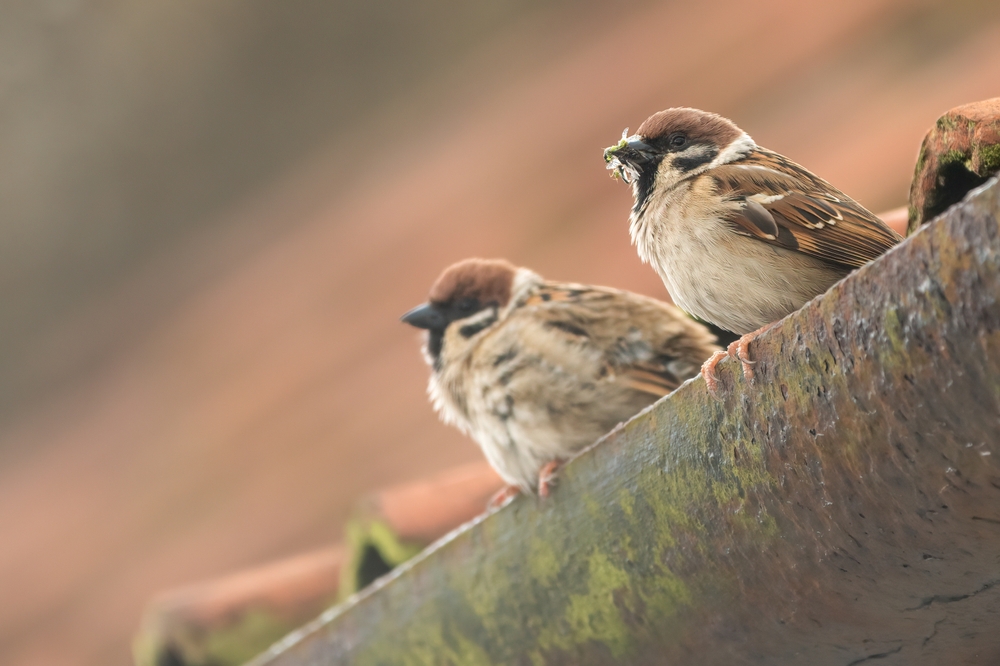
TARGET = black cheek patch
(685,163)
(435,341)
(644,184)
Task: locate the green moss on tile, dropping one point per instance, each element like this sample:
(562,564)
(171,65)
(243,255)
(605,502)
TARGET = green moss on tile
(947,123)
(953,156)
(364,532)
(989,159)
(592,616)
(236,643)
(921,159)
(543,562)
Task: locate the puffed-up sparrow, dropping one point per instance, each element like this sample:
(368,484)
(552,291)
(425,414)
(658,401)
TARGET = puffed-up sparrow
(536,370)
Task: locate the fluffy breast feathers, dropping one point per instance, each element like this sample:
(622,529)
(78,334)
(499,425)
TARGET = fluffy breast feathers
(561,365)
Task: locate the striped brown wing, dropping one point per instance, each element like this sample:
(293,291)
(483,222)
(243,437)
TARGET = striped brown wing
(602,317)
(783,204)
(652,378)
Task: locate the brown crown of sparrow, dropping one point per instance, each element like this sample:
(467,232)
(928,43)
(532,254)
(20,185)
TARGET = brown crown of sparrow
(741,236)
(536,370)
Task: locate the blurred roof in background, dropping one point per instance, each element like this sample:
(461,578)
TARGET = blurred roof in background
(128,128)
(213,215)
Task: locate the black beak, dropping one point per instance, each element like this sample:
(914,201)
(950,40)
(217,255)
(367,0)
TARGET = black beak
(630,150)
(426,316)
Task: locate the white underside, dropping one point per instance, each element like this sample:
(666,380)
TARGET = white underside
(731,280)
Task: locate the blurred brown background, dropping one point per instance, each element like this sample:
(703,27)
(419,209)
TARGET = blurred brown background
(212,215)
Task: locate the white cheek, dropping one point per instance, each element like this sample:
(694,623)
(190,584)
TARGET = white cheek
(478,318)
(740,147)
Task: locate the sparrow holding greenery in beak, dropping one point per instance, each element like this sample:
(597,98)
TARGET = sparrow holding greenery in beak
(741,236)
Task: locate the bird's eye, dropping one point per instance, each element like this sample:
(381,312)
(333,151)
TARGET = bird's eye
(678,140)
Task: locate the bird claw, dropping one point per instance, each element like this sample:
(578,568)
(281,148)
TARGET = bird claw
(503,496)
(546,477)
(739,350)
(708,371)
